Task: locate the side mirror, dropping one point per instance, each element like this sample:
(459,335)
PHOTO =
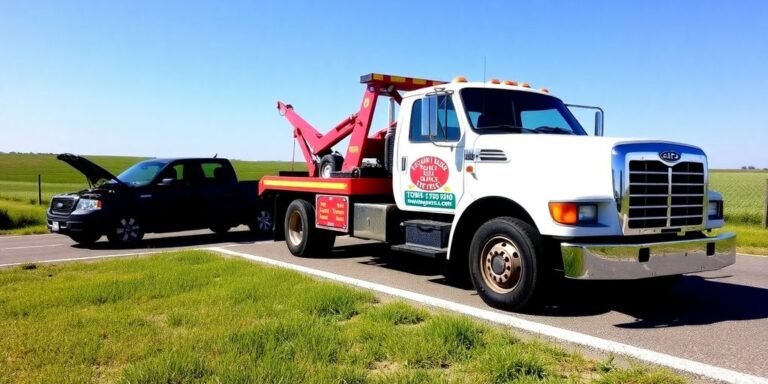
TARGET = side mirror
(599,116)
(599,123)
(429,116)
(166,182)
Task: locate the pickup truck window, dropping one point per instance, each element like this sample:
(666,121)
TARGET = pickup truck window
(447,122)
(216,172)
(142,173)
(492,110)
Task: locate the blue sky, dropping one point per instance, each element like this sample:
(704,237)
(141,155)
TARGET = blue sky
(186,78)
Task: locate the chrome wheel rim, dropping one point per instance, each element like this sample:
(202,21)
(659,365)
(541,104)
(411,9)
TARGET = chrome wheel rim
(264,221)
(295,228)
(325,172)
(501,264)
(128,229)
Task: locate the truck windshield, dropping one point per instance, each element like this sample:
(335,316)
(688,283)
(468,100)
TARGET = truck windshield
(493,110)
(142,173)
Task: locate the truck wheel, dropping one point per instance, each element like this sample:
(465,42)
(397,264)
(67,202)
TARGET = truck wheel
(127,230)
(303,239)
(330,163)
(85,238)
(263,222)
(503,263)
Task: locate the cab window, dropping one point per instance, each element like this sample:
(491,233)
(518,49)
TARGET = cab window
(543,118)
(447,122)
(215,172)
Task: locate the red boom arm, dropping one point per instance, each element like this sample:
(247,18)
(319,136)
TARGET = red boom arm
(313,144)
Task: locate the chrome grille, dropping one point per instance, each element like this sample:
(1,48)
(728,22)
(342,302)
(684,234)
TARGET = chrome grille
(662,196)
(62,205)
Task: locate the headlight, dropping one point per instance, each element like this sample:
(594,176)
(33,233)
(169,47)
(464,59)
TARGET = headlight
(573,213)
(715,210)
(587,213)
(88,205)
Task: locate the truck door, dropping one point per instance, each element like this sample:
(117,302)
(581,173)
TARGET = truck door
(218,199)
(168,198)
(429,159)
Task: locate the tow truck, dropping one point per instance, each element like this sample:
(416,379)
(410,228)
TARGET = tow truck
(502,182)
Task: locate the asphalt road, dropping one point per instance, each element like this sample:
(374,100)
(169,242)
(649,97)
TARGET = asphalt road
(718,318)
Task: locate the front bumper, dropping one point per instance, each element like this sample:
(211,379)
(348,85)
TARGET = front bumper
(588,261)
(91,222)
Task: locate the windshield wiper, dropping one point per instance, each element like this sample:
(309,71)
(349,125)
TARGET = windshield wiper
(556,130)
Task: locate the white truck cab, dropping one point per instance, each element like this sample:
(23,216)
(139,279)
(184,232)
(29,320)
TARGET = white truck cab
(618,208)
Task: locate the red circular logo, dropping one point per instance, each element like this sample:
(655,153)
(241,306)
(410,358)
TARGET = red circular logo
(429,173)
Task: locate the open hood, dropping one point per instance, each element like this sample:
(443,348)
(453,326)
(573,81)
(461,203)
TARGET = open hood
(94,173)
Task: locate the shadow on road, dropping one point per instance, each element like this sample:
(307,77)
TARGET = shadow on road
(695,300)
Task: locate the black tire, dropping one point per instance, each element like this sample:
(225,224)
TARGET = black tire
(85,238)
(301,236)
(504,264)
(263,223)
(126,230)
(220,229)
(329,163)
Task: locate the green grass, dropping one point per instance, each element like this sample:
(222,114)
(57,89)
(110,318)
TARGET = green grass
(194,316)
(749,238)
(18,183)
(15,215)
(26,192)
(25,168)
(18,173)
(743,190)
(744,194)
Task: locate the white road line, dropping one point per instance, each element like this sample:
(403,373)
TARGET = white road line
(121,254)
(18,236)
(238,245)
(85,258)
(32,246)
(690,366)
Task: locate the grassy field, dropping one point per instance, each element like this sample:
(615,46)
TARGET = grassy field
(751,239)
(21,218)
(19,211)
(197,317)
(18,173)
(743,190)
(744,193)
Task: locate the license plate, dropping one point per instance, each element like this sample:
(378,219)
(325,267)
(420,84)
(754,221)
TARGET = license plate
(55,226)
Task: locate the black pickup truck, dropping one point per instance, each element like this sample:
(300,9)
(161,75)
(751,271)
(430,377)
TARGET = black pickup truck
(157,195)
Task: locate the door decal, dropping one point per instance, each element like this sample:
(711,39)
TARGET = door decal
(430,176)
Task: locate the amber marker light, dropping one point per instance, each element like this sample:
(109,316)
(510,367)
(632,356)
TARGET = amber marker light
(470,169)
(544,90)
(510,82)
(459,79)
(525,85)
(564,213)
(495,81)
